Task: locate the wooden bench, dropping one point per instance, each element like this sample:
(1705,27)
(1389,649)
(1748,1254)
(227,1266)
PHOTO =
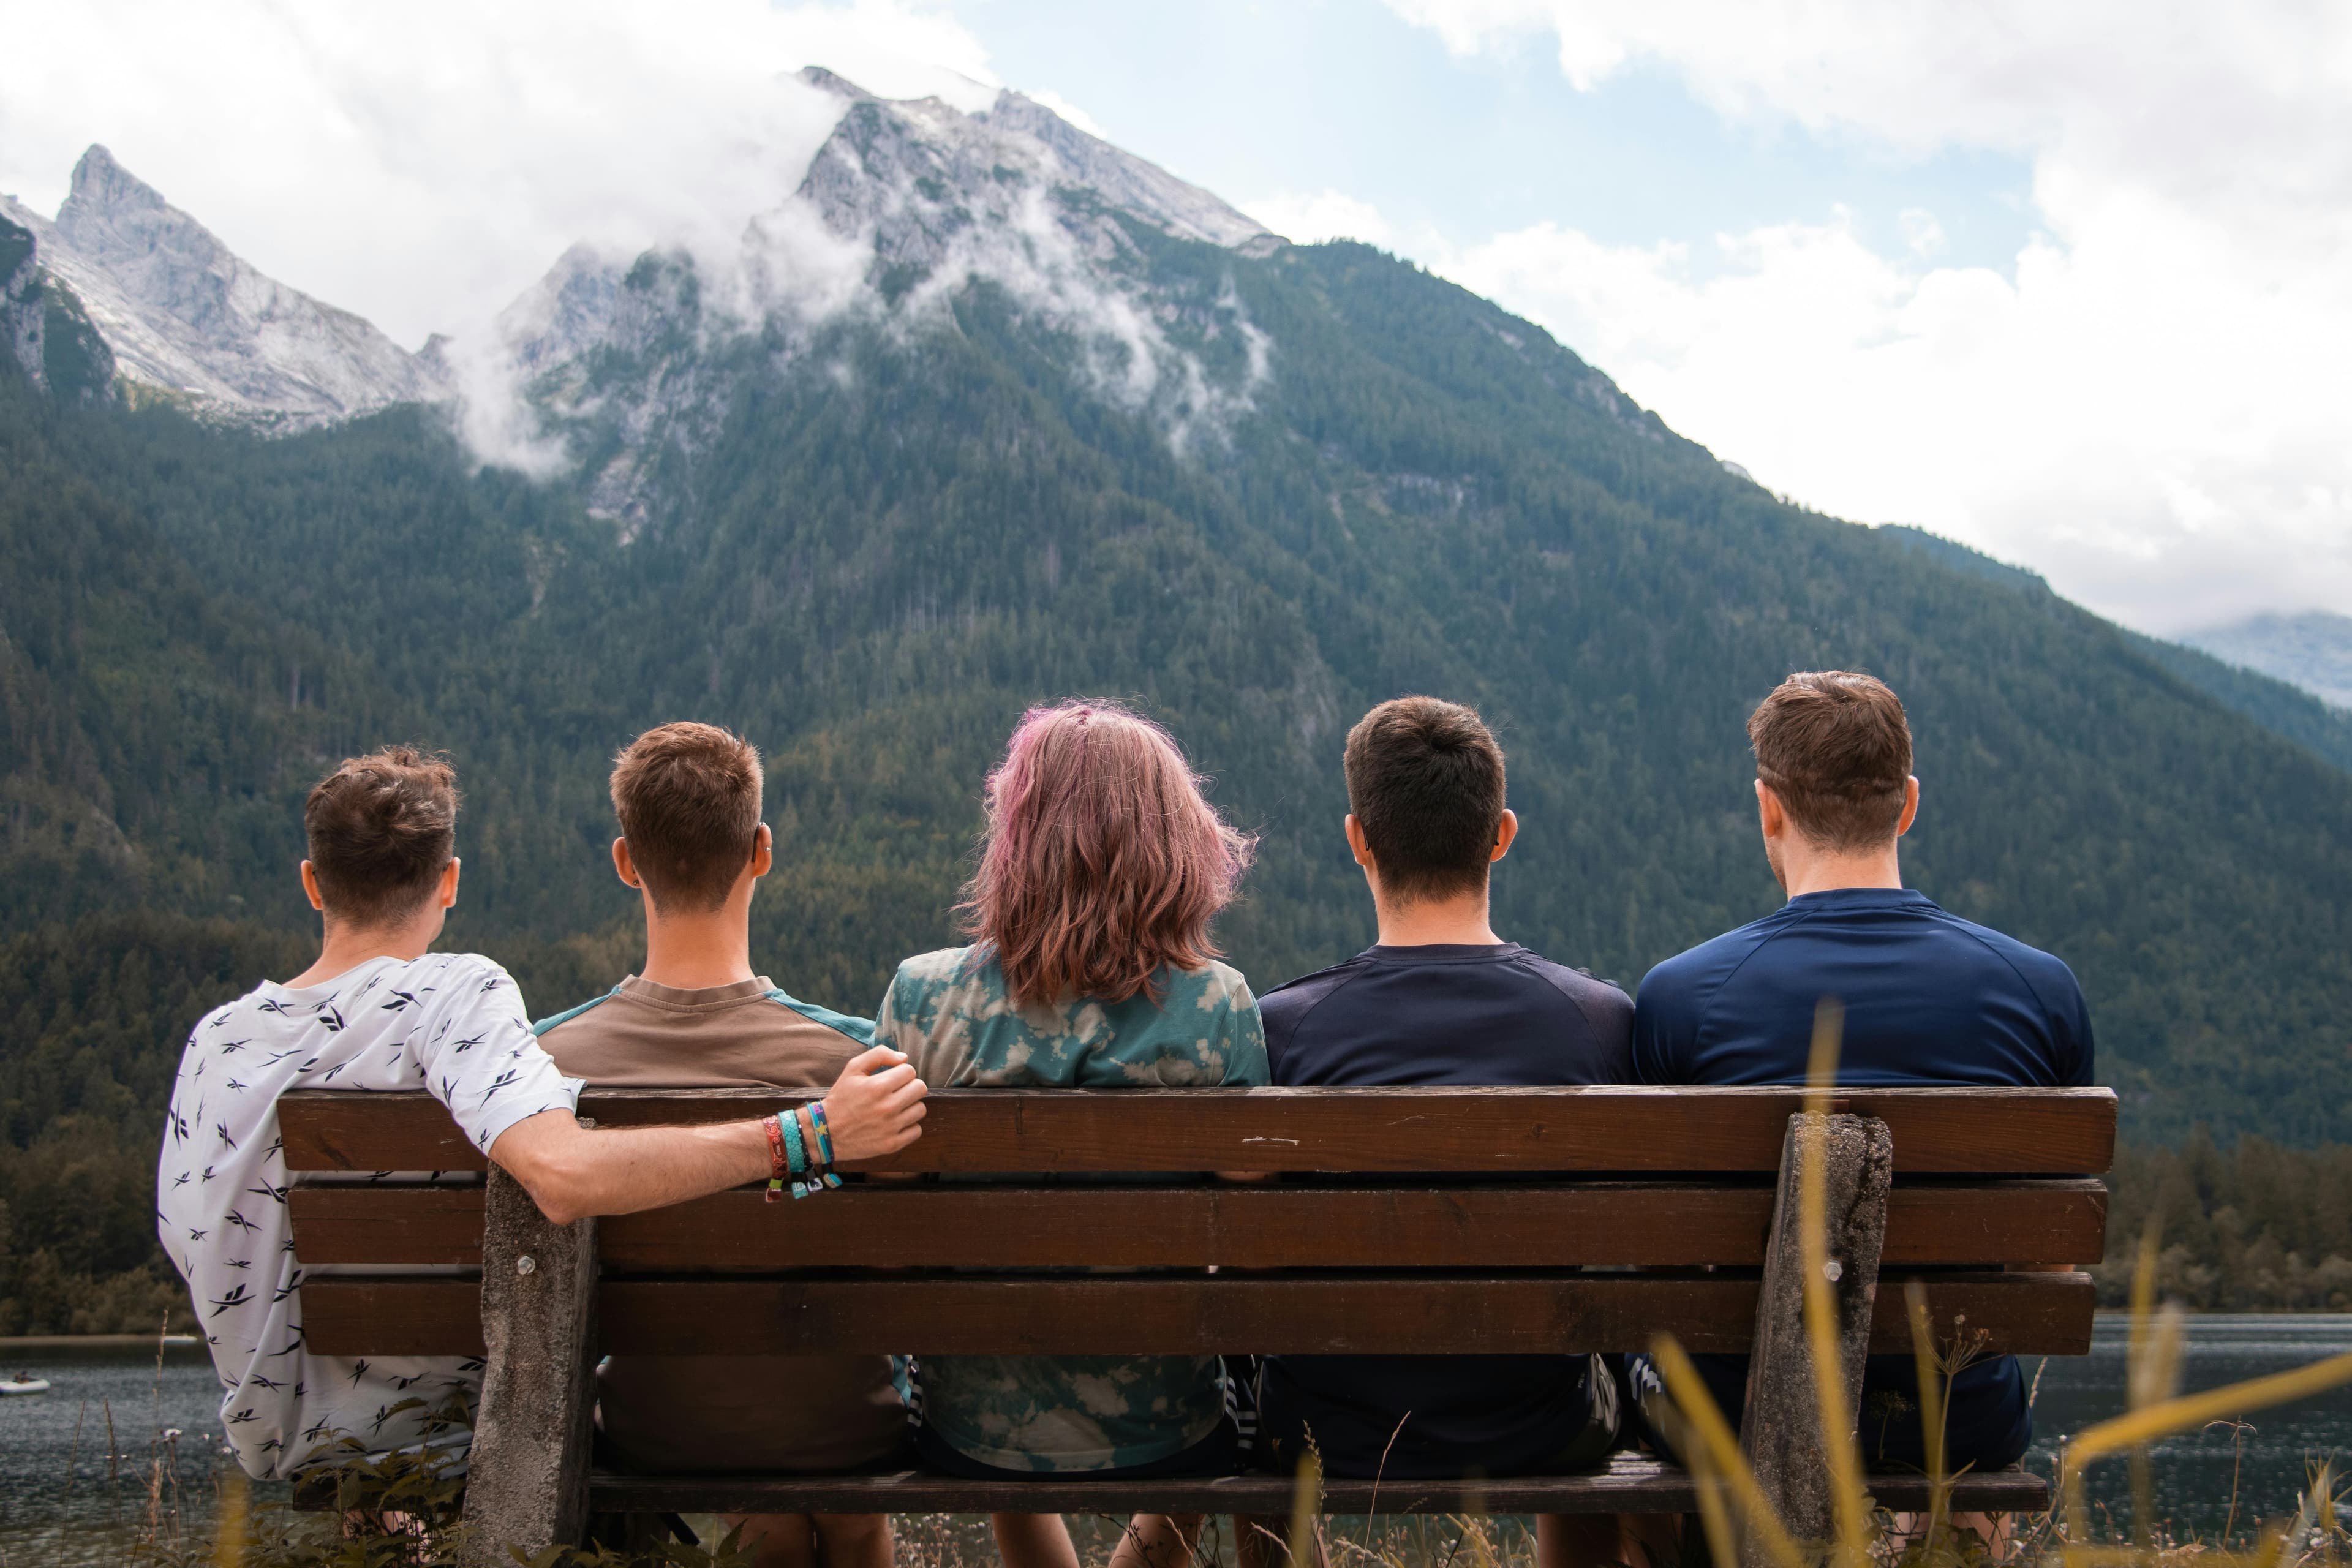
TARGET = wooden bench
(1598,1218)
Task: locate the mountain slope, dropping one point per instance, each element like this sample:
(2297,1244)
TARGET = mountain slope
(953,433)
(187,319)
(2313,650)
(2274,702)
(880,568)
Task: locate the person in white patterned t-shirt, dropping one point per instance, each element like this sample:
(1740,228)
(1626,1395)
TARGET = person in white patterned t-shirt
(379,1011)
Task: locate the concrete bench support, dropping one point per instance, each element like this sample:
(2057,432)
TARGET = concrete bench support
(1781,1431)
(529,1486)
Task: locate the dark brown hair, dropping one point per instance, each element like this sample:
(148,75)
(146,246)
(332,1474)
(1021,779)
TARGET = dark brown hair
(1836,748)
(1425,782)
(381,828)
(689,799)
(1102,861)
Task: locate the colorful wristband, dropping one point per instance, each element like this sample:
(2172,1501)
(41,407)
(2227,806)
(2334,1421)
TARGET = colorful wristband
(820,1147)
(795,1151)
(824,1131)
(824,1140)
(804,1182)
(774,1128)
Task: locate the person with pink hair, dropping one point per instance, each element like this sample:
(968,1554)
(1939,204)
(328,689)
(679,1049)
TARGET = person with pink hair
(1091,966)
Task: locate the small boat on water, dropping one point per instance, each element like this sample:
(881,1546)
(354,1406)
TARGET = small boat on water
(24,1382)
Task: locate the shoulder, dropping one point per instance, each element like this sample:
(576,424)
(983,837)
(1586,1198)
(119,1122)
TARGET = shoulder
(1580,983)
(2045,973)
(457,976)
(1603,1002)
(943,966)
(1674,979)
(235,1008)
(1213,987)
(858,1033)
(1294,999)
(570,1014)
(947,978)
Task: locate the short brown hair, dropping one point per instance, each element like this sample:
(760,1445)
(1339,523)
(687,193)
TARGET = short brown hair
(1425,782)
(689,799)
(381,828)
(1836,748)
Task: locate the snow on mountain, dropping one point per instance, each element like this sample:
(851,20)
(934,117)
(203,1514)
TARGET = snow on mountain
(905,204)
(187,319)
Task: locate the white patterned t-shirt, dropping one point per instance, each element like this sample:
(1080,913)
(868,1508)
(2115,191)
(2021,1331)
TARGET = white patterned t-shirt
(450,1023)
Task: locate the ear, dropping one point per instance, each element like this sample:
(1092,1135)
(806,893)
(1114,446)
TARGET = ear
(764,851)
(1357,846)
(446,895)
(1910,806)
(311,888)
(1505,831)
(1770,814)
(622,866)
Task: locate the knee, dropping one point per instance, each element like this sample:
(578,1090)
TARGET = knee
(851,1529)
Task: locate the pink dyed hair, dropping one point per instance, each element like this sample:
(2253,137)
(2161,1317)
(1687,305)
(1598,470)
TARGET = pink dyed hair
(1102,861)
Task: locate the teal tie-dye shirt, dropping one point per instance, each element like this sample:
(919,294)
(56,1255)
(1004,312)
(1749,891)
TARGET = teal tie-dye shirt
(949,1011)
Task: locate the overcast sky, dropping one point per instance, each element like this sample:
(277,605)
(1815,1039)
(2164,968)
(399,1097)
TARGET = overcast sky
(2072,283)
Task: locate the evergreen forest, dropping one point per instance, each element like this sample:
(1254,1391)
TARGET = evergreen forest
(889,542)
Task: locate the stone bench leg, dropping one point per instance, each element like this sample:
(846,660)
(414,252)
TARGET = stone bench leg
(529,1483)
(1781,1431)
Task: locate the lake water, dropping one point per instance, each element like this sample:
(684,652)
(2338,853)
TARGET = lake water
(59,1509)
(64,1499)
(2192,1472)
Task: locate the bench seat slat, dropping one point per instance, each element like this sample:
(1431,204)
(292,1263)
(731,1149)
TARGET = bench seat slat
(1650,1225)
(2052,1132)
(1331,1313)
(1629,1483)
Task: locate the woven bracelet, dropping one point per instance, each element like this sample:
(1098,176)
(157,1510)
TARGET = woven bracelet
(804,1184)
(824,1131)
(774,1128)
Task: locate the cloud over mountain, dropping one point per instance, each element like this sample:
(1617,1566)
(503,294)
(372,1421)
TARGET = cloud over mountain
(2148,402)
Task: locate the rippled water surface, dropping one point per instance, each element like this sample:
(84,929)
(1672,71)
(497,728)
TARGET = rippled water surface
(69,1495)
(2193,1472)
(64,1502)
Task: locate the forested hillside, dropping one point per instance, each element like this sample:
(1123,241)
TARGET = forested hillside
(892,541)
(875,571)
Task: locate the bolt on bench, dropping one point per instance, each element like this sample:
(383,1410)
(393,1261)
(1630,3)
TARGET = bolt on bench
(1683,1196)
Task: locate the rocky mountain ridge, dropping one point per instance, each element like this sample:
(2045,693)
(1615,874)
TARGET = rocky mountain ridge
(901,194)
(620,365)
(185,319)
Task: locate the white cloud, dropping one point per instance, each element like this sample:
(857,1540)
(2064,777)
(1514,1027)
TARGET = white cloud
(2150,409)
(422,163)
(1066,109)
(1325,214)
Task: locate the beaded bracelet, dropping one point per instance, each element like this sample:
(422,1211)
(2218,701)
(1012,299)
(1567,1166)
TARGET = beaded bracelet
(778,1157)
(824,1131)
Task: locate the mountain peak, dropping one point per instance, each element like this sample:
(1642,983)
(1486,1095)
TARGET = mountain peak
(101,181)
(830,81)
(187,316)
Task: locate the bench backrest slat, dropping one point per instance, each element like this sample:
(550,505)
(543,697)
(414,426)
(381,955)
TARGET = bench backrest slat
(1637,1224)
(1532,1186)
(1491,1132)
(1329,1313)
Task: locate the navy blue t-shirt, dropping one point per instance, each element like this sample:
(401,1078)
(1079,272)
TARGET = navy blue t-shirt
(1930,1000)
(1438,1015)
(1487,1016)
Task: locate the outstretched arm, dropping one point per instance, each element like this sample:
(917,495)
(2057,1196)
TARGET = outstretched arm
(875,1108)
